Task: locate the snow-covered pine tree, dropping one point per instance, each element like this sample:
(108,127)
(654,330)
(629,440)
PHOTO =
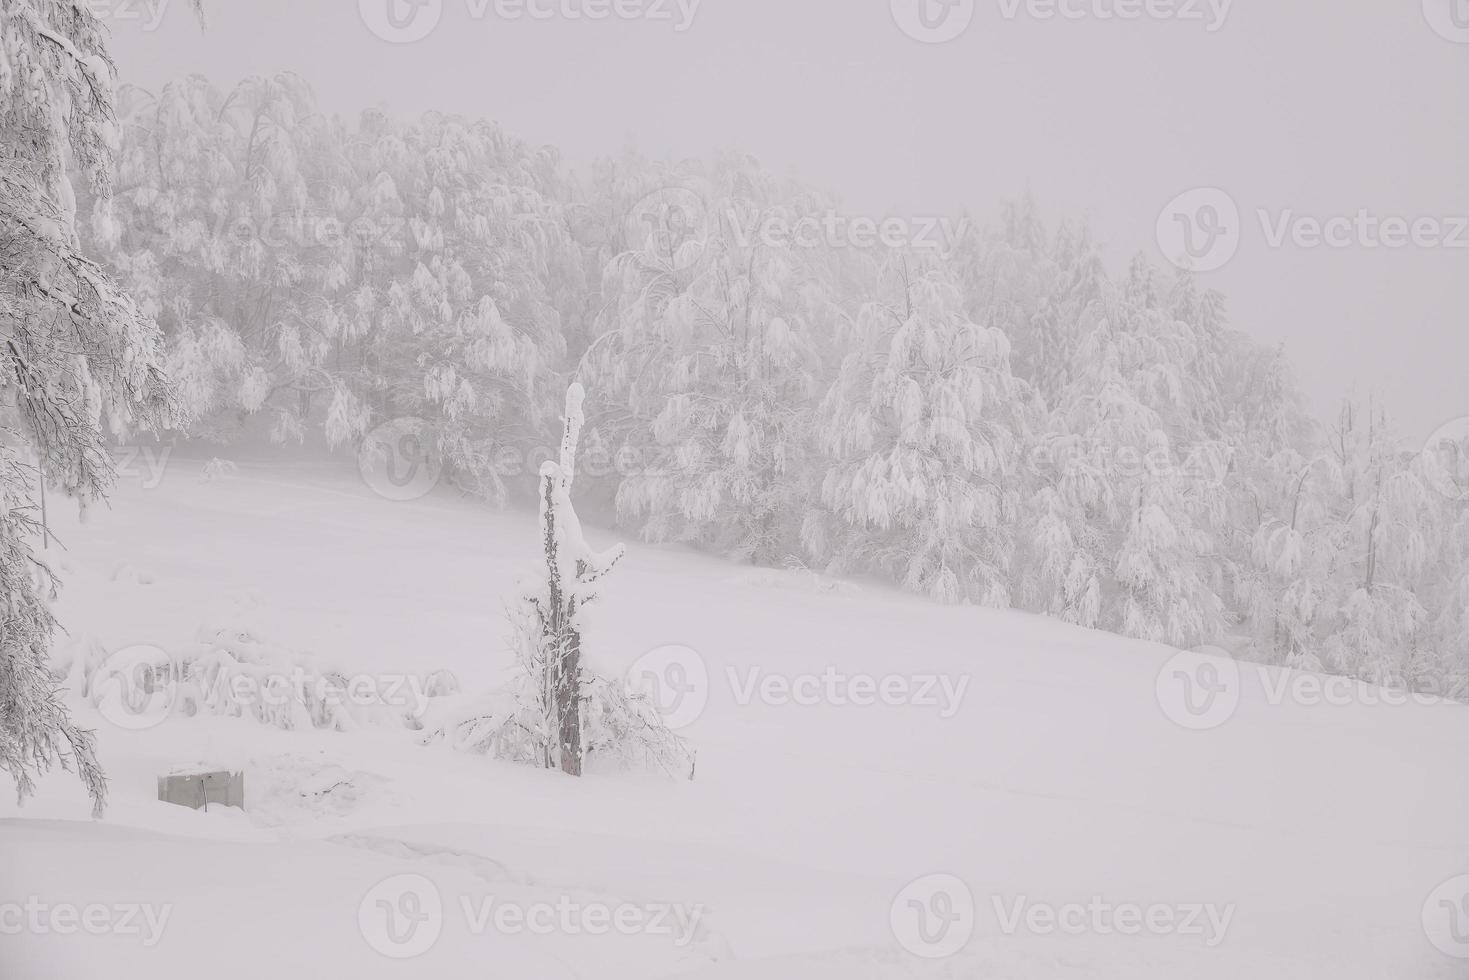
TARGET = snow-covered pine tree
(469,333)
(1447,596)
(1282,587)
(710,354)
(1443,466)
(923,427)
(1036,290)
(1278,534)
(1375,625)
(320,279)
(1164,563)
(77,358)
(1126,486)
(224,232)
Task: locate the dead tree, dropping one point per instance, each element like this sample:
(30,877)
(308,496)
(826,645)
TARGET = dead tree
(572,570)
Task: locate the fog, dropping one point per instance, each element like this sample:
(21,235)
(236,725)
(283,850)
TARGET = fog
(1095,108)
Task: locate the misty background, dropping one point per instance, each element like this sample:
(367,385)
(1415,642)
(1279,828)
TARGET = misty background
(1285,106)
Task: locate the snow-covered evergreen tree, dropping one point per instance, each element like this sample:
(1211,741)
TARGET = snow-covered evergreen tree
(1278,536)
(469,334)
(1446,593)
(221,232)
(316,279)
(1375,628)
(711,356)
(1039,291)
(923,428)
(1127,471)
(78,360)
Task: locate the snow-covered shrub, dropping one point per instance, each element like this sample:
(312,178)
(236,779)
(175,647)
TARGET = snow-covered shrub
(234,670)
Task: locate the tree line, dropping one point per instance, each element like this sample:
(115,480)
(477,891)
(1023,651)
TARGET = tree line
(993,417)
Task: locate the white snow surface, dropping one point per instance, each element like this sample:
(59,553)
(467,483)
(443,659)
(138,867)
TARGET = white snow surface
(1059,779)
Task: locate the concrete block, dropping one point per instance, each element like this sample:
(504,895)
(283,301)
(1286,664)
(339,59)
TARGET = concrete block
(200,789)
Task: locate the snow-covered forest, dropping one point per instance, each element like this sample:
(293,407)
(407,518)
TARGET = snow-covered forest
(994,419)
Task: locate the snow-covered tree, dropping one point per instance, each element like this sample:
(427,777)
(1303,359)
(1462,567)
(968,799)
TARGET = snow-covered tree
(315,280)
(572,570)
(923,428)
(222,232)
(1169,583)
(558,712)
(469,334)
(1283,586)
(1039,291)
(1446,593)
(1278,537)
(78,360)
(1126,473)
(712,364)
(1375,628)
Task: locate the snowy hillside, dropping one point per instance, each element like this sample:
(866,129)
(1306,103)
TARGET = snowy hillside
(885,787)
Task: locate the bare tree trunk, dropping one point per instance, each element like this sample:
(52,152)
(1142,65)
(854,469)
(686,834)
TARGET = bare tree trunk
(568,702)
(563,646)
